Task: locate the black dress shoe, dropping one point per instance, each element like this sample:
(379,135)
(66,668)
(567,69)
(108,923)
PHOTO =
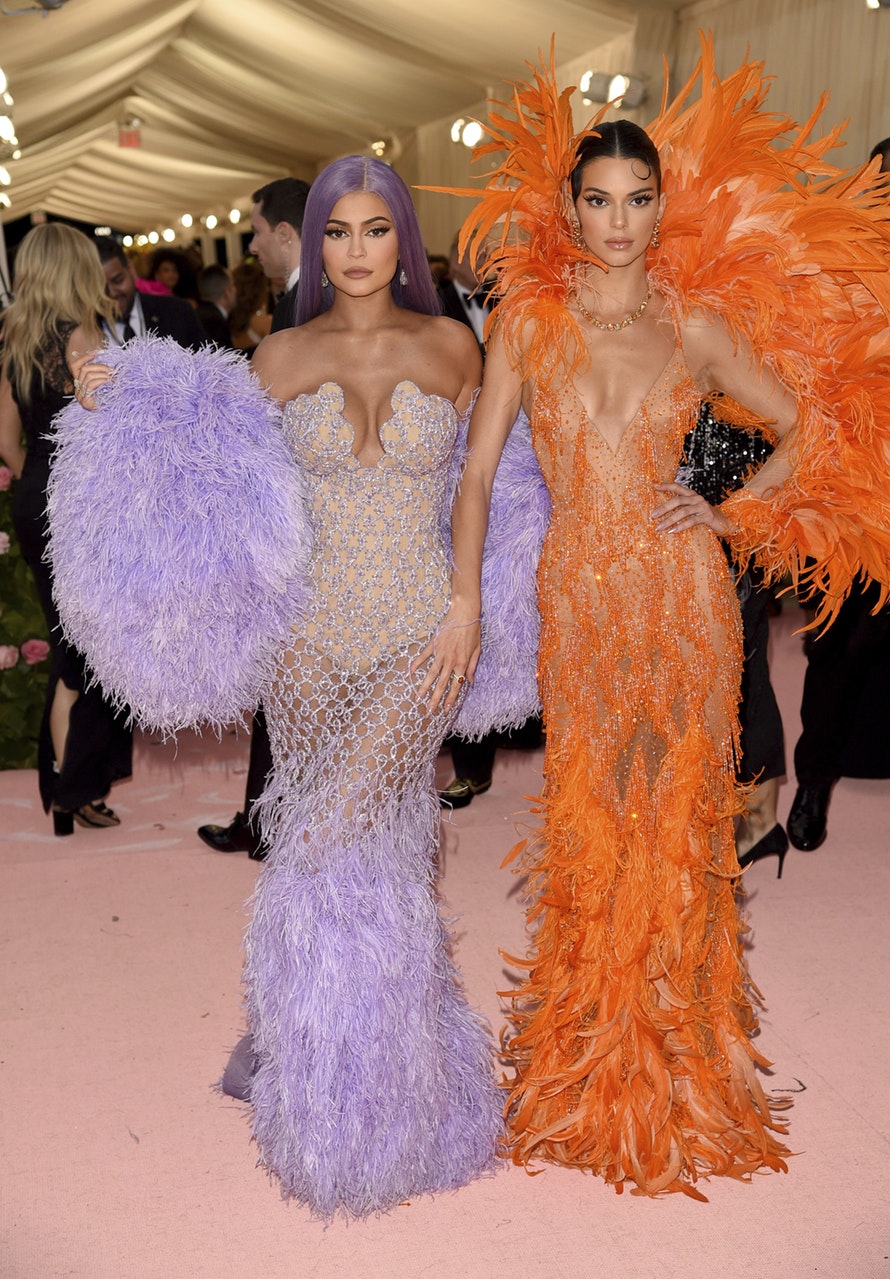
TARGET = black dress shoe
(460,792)
(808,819)
(237,837)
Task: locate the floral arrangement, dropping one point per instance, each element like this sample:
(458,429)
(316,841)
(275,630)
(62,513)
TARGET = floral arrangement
(24,651)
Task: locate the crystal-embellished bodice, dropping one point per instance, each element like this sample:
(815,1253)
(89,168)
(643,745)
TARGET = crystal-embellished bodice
(379,571)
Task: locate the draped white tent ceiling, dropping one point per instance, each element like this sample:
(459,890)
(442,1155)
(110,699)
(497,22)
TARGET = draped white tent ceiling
(232,92)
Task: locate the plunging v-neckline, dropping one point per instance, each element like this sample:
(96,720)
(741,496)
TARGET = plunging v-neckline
(592,421)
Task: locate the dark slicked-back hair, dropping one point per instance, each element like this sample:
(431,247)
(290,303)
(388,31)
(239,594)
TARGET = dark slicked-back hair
(111,250)
(617,140)
(283,200)
(344,177)
(883,150)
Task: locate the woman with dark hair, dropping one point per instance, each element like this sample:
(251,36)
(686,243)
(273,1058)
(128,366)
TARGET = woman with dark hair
(174,270)
(623,304)
(370,1078)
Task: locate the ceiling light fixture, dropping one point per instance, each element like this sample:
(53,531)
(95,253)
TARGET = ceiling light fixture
(618,90)
(469,132)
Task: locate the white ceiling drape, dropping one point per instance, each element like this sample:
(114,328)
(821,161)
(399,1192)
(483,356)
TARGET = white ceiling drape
(231,93)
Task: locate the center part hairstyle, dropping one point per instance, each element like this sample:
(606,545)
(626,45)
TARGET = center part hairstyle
(355,173)
(617,140)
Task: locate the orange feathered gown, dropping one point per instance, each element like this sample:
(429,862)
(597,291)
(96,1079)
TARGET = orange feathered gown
(632,1049)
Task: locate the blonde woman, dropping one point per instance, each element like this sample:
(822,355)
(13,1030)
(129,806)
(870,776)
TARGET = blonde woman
(59,302)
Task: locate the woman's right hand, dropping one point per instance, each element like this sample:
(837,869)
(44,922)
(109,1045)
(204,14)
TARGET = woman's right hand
(88,377)
(453,654)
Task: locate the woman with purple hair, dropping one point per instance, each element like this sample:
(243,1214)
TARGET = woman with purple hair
(370,1078)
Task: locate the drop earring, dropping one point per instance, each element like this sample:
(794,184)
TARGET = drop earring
(324,278)
(403,279)
(655,241)
(577,237)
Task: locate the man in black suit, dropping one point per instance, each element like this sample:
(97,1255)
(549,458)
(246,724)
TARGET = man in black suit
(844,707)
(216,290)
(462,296)
(142,313)
(276,220)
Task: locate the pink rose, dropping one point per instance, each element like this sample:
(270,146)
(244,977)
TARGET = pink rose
(5,478)
(34,651)
(9,656)
(4,543)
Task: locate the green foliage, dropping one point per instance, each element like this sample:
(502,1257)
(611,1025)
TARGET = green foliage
(23,686)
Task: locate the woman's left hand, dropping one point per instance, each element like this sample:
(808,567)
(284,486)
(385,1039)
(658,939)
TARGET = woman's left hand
(685,509)
(88,376)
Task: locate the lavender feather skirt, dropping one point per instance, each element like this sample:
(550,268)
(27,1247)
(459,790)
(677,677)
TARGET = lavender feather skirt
(178,536)
(374,1080)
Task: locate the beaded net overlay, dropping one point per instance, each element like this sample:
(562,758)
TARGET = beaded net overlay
(374,1079)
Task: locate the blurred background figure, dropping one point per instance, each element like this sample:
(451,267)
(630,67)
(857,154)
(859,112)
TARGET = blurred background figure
(217,293)
(276,220)
(717,459)
(277,223)
(463,297)
(59,301)
(845,707)
(251,318)
(176,273)
(136,313)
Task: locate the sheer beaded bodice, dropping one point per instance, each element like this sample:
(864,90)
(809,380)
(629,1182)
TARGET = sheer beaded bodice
(379,569)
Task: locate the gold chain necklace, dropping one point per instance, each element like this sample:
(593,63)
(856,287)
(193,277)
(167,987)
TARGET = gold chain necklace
(620,324)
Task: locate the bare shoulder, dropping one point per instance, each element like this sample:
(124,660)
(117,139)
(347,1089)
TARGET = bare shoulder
(280,359)
(705,342)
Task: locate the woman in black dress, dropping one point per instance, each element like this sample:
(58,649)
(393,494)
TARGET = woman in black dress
(59,302)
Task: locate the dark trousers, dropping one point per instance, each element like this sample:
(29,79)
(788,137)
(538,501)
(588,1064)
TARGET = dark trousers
(99,742)
(259,764)
(842,663)
(474,761)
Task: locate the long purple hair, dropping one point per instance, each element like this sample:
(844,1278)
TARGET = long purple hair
(343,177)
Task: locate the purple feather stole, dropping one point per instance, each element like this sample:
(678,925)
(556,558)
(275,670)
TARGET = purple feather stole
(504,693)
(178,535)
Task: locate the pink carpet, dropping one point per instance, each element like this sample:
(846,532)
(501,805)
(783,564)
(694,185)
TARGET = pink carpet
(120,977)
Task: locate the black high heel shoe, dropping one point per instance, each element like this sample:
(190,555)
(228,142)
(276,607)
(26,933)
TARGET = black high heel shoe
(774,842)
(95,815)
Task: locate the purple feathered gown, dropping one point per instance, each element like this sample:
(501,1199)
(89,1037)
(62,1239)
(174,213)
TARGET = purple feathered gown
(180,531)
(374,1079)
